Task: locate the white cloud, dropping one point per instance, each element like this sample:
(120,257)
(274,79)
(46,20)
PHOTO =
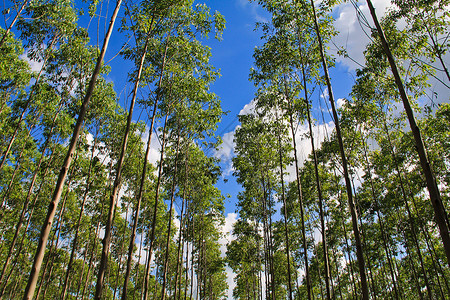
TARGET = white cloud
(230,281)
(226,149)
(354,37)
(248,108)
(352,34)
(226,152)
(340,102)
(254,9)
(155,147)
(35,66)
(303,144)
(227,228)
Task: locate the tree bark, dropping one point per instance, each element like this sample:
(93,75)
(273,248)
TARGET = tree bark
(155,211)
(45,231)
(169,227)
(352,206)
(433,190)
(5,35)
(144,174)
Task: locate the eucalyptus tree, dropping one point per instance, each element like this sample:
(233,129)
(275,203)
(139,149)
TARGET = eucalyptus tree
(376,79)
(180,52)
(117,181)
(268,105)
(103,111)
(51,114)
(427,26)
(244,257)
(29,292)
(15,74)
(49,25)
(256,149)
(194,119)
(321,38)
(206,211)
(13,22)
(433,190)
(146,31)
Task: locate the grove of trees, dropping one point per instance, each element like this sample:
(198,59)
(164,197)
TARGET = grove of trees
(365,215)
(83,212)
(110,191)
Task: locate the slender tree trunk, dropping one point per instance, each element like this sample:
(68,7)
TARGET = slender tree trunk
(80,278)
(192,259)
(92,257)
(138,263)
(439,210)
(54,245)
(271,262)
(285,212)
(22,215)
(155,210)
(380,220)
(363,233)
(116,187)
(31,285)
(413,268)
(169,227)
(299,190)
(347,246)
(30,214)
(77,230)
(180,237)
(75,239)
(119,269)
(352,206)
(8,30)
(408,210)
(319,188)
(144,172)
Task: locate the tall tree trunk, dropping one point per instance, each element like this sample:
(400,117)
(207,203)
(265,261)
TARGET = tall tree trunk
(285,212)
(143,175)
(169,227)
(24,210)
(299,189)
(433,190)
(45,231)
(408,210)
(117,184)
(180,236)
(319,187)
(30,214)
(347,246)
(352,206)
(77,230)
(54,245)
(155,211)
(380,220)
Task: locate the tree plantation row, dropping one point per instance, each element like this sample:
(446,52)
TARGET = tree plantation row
(109,230)
(110,195)
(365,215)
